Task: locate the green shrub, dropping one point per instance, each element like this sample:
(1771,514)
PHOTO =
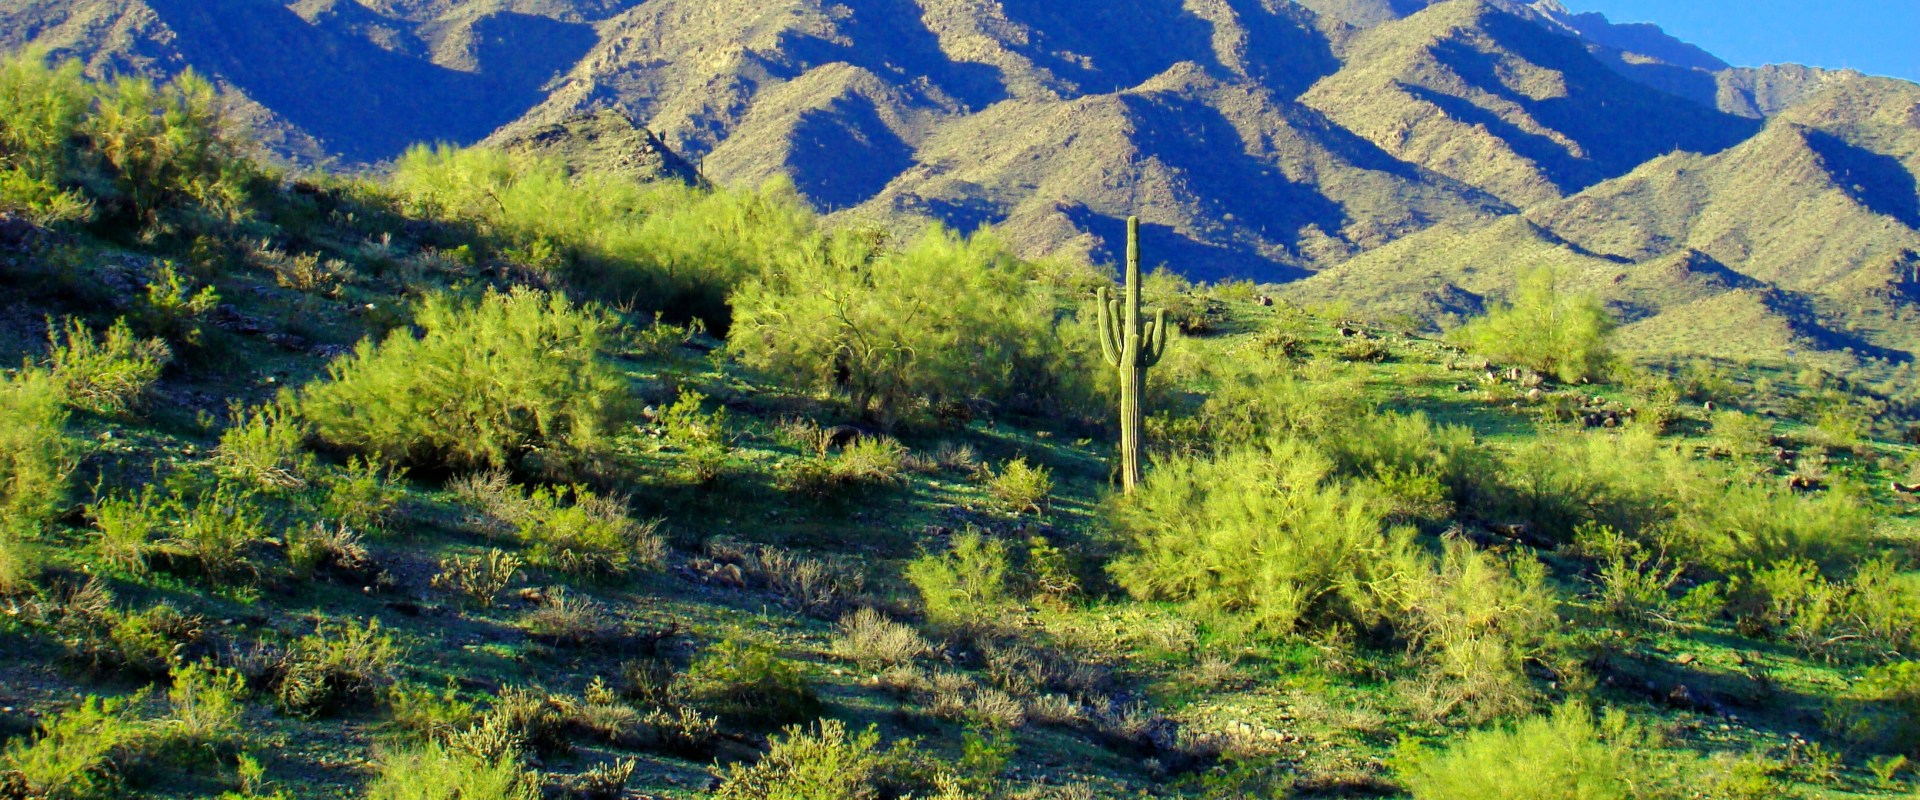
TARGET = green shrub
(1545,328)
(1263,539)
(739,680)
(20,565)
(205,704)
(363,496)
(431,714)
(42,110)
(868,638)
(172,308)
(581,533)
(514,380)
(106,376)
(700,435)
(1566,756)
(478,579)
(823,762)
(168,147)
(436,772)
(36,454)
(215,528)
(1477,623)
(868,461)
(337,666)
(79,754)
(659,246)
(1018,487)
(967,583)
(263,447)
(947,320)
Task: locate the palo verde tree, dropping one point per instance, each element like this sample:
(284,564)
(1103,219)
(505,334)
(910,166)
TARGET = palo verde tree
(1132,345)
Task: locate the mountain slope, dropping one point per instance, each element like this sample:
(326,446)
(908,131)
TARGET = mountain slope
(1476,92)
(1813,225)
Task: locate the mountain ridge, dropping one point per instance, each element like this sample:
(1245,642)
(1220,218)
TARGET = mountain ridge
(1326,140)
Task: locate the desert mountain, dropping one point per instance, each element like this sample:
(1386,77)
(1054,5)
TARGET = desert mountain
(1416,154)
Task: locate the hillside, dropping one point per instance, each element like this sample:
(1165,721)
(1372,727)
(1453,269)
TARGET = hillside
(1819,209)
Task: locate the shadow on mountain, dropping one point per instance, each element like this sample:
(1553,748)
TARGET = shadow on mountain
(1201,143)
(365,102)
(525,51)
(1619,124)
(1106,47)
(1879,182)
(1164,246)
(889,39)
(844,154)
(1284,52)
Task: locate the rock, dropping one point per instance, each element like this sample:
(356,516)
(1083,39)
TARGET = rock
(288,341)
(17,232)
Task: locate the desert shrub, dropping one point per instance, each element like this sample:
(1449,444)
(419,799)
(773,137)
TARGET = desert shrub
(430,714)
(659,246)
(168,147)
(968,583)
(127,528)
(42,110)
(1698,512)
(20,565)
(172,308)
(868,638)
(438,772)
(867,462)
(740,680)
(36,454)
(567,619)
(1631,585)
(1740,436)
(515,379)
(699,434)
(820,587)
(478,579)
(946,320)
(1477,623)
(1019,487)
(1263,539)
(1566,755)
(337,666)
(1870,615)
(263,447)
(216,527)
(101,637)
(333,550)
(104,375)
(364,495)
(1544,327)
(79,754)
(581,533)
(821,762)
(204,704)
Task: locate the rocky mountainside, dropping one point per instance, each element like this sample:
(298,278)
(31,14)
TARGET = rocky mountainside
(1414,154)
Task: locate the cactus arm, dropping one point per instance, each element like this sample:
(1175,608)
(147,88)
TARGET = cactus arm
(1156,345)
(1110,343)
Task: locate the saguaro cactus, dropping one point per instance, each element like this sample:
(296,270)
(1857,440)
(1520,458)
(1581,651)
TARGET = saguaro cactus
(1132,345)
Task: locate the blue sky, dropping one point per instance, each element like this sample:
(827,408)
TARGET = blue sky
(1878,37)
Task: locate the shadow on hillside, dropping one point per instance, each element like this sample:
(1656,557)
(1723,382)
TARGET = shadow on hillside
(1163,246)
(1879,182)
(1619,124)
(363,101)
(845,153)
(889,39)
(1106,47)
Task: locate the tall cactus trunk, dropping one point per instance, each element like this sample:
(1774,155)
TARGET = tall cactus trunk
(1131,345)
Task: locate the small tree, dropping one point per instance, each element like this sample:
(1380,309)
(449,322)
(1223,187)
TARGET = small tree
(1545,327)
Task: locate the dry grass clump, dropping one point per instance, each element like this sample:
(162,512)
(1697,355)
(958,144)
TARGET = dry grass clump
(868,638)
